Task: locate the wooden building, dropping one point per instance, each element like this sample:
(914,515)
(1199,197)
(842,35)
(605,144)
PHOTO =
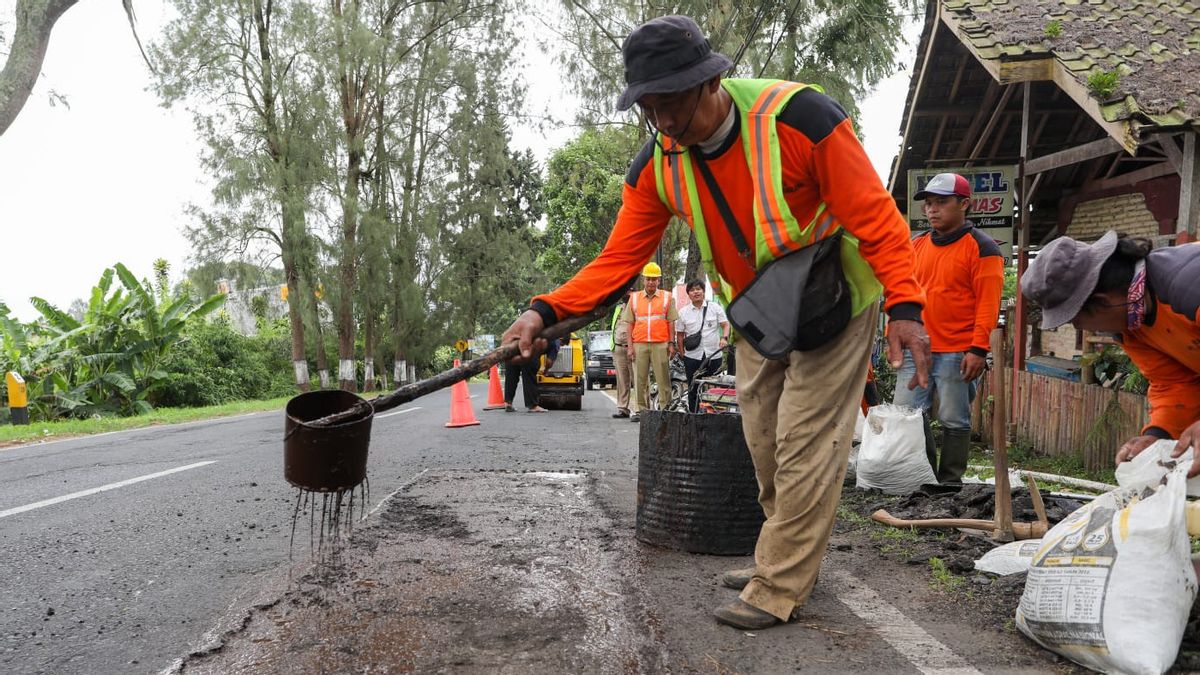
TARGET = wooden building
(1096,103)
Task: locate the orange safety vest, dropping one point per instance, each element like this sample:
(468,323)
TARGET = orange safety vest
(649,317)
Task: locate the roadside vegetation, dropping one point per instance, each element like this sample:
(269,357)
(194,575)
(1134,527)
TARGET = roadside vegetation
(136,346)
(68,428)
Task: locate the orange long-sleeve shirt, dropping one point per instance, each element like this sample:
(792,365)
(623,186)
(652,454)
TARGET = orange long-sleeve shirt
(822,160)
(963,277)
(1167,346)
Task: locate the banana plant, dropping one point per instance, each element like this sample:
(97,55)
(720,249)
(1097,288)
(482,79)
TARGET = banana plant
(107,362)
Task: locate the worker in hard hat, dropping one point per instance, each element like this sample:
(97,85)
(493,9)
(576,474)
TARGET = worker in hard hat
(651,316)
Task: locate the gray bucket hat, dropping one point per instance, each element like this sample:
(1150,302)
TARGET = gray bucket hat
(1064,274)
(666,55)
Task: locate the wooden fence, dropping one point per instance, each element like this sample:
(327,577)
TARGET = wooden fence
(1058,417)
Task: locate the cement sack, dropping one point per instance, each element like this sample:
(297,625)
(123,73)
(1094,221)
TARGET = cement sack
(1112,584)
(1012,558)
(1147,467)
(892,455)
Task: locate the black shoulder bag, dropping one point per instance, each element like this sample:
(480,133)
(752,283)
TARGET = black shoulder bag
(692,340)
(798,301)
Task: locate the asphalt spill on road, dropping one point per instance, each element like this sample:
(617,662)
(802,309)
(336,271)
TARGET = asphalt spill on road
(463,571)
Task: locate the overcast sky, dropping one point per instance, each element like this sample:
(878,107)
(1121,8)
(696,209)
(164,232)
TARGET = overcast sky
(107,179)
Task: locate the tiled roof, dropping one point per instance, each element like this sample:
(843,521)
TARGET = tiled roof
(1153,46)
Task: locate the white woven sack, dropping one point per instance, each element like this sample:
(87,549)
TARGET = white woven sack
(1146,469)
(892,457)
(1011,558)
(1112,584)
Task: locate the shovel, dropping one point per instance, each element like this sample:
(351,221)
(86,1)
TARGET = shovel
(326,433)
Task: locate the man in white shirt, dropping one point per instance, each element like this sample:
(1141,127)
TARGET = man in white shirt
(707,319)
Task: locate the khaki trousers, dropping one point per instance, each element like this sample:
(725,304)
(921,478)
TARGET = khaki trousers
(798,418)
(624,370)
(647,354)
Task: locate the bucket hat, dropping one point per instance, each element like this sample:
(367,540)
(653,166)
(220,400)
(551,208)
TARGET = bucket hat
(666,55)
(1064,274)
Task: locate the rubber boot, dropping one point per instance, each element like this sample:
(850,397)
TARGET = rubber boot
(956,446)
(930,446)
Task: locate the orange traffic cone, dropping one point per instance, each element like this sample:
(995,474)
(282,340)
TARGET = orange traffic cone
(495,391)
(461,414)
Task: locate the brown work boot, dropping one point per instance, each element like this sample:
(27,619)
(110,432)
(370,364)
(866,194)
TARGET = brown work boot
(743,615)
(737,579)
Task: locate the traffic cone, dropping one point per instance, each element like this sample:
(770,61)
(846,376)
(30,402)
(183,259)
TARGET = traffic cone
(461,414)
(495,391)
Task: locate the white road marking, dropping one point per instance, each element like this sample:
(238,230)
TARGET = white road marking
(409,483)
(398,412)
(922,650)
(102,488)
(611,395)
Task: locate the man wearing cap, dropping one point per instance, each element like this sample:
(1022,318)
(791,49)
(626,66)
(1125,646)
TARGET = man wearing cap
(962,272)
(1151,299)
(622,363)
(766,173)
(651,316)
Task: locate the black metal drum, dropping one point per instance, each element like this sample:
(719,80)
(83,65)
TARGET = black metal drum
(696,486)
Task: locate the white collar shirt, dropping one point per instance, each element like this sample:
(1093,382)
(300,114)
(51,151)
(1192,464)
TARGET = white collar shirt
(710,335)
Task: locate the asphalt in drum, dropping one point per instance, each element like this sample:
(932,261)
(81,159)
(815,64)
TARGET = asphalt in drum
(336,519)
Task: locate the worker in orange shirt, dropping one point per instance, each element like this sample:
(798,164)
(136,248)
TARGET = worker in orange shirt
(962,272)
(1151,299)
(651,316)
(800,241)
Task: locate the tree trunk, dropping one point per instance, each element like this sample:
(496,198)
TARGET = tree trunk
(347,273)
(292,226)
(31,34)
(299,359)
(368,348)
(312,307)
(351,87)
(692,269)
(414,175)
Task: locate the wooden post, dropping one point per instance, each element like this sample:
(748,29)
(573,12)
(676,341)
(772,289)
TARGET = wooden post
(1019,340)
(1189,190)
(1003,513)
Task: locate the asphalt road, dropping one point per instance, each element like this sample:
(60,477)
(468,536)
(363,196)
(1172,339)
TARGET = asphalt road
(129,579)
(135,577)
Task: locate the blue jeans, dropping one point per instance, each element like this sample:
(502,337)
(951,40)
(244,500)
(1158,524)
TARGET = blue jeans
(945,377)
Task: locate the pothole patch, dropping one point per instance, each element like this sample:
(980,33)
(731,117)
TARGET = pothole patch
(466,571)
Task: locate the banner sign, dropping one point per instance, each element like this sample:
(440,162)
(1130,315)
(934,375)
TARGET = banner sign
(993,197)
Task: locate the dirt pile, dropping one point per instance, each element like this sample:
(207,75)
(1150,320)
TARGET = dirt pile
(979,501)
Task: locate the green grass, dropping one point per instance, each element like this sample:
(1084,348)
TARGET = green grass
(849,515)
(898,540)
(941,578)
(1022,457)
(44,431)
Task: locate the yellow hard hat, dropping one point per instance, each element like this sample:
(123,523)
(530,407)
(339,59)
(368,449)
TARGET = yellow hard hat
(651,270)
